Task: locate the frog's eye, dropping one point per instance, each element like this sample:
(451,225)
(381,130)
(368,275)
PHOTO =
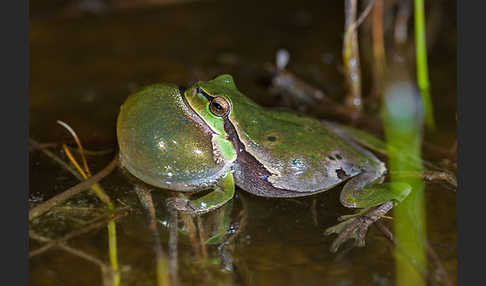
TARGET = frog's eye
(219,106)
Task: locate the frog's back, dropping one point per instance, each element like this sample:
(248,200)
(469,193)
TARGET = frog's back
(300,154)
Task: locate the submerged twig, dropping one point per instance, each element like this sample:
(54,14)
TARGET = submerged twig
(191,229)
(386,232)
(92,184)
(430,251)
(86,173)
(432,254)
(94,153)
(351,57)
(296,90)
(363,15)
(401,23)
(107,273)
(379,63)
(202,237)
(162,270)
(350,52)
(67,194)
(41,249)
(85,256)
(95,187)
(54,157)
(439,176)
(51,243)
(41,146)
(173,256)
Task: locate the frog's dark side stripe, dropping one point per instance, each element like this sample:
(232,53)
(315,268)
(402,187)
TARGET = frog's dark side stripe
(251,175)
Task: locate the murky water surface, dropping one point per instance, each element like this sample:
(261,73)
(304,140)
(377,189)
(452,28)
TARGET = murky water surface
(83,66)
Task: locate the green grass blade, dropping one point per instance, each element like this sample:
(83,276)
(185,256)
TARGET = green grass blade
(403,132)
(422,68)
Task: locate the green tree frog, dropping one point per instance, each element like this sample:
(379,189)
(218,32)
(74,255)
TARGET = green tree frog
(211,136)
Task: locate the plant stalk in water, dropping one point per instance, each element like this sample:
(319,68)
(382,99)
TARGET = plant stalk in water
(86,173)
(351,56)
(403,123)
(422,68)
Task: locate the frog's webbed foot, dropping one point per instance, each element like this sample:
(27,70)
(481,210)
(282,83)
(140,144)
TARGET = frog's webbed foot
(222,193)
(375,200)
(356,227)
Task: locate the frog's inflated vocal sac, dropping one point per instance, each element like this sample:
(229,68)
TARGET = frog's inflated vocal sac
(212,136)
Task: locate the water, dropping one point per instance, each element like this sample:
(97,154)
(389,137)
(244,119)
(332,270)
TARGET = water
(83,66)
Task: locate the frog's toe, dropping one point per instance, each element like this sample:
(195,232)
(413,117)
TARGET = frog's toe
(180,204)
(345,231)
(338,228)
(355,215)
(354,228)
(359,240)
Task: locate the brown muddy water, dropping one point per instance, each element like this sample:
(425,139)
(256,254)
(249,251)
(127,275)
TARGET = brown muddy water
(84,64)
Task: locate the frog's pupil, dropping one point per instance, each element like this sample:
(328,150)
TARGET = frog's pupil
(219,107)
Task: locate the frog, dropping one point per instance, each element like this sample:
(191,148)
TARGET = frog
(211,137)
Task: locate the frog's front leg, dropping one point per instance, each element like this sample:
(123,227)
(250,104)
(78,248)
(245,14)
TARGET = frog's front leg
(224,191)
(377,199)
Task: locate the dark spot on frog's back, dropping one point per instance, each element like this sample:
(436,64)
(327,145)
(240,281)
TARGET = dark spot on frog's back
(338,157)
(341,174)
(272,138)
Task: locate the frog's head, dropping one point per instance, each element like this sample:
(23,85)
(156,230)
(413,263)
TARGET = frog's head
(212,100)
